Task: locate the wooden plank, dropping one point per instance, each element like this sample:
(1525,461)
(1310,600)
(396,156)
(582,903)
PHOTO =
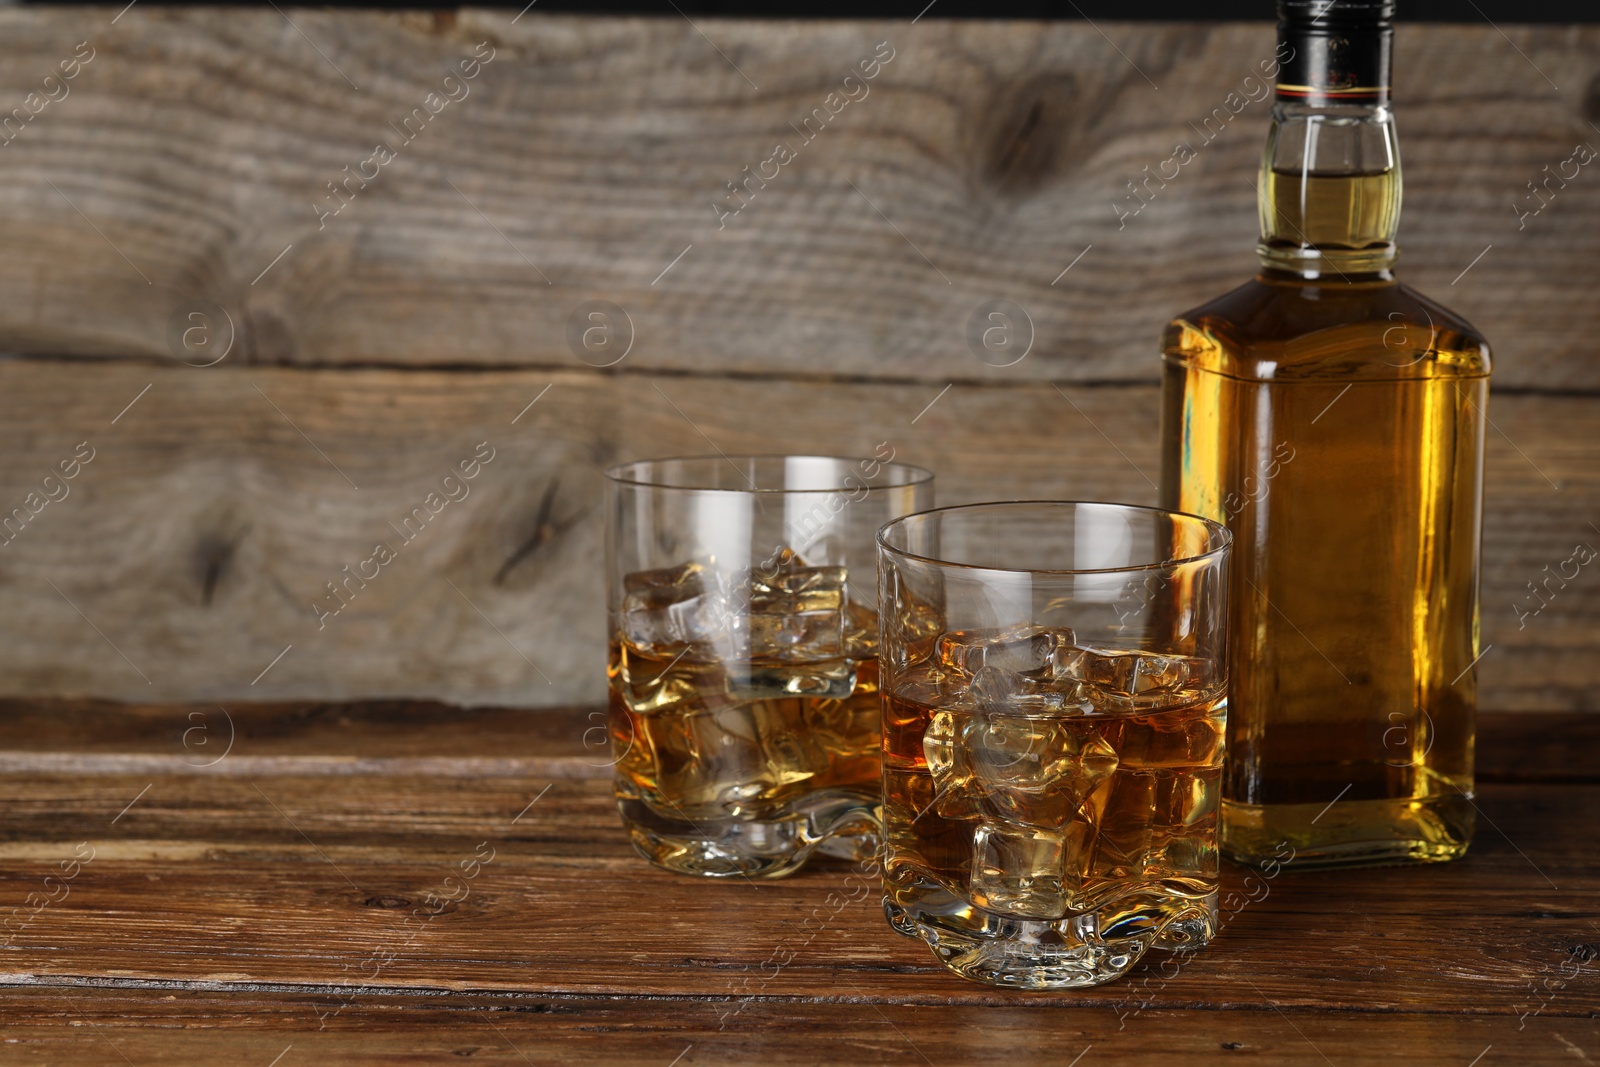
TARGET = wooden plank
(1536,747)
(220,504)
(96,1027)
(588,154)
(393,737)
(230,917)
(321,883)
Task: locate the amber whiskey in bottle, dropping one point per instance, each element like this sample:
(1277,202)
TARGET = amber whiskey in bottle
(1333,419)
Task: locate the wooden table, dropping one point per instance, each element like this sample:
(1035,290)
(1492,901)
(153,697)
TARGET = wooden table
(268,903)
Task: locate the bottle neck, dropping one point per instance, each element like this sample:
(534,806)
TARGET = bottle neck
(1329,193)
(1330,177)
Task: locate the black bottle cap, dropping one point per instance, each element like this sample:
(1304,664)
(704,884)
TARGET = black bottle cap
(1335,51)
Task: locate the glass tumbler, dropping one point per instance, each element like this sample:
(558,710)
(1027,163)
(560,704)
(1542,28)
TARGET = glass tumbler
(1054,695)
(743,666)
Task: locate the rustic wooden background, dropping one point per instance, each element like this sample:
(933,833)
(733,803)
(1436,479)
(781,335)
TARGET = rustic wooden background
(361,361)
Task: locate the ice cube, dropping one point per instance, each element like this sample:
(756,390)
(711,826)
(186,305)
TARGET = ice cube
(737,760)
(1119,679)
(1080,835)
(796,612)
(833,679)
(664,610)
(797,635)
(710,762)
(955,791)
(654,684)
(860,631)
(1021,649)
(790,585)
(1159,826)
(1019,870)
(788,633)
(1188,739)
(793,753)
(1124,841)
(1034,770)
(848,733)
(999,690)
(938,745)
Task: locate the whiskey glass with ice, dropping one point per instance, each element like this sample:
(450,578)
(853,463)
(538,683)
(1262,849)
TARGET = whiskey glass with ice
(1054,690)
(743,666)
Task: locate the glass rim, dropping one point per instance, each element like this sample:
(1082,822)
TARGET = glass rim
(1215,529)
(913,475)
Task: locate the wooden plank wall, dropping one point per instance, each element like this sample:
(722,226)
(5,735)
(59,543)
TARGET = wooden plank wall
(300,379)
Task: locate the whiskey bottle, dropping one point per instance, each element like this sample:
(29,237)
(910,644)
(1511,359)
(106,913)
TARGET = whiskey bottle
(1333,419)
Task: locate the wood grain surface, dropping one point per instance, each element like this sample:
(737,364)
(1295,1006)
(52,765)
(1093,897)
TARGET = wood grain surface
(170,880)
(191,550)
(254,865)
(313,374)
(112,1027)
(588,154)
(228,915)
(398,737)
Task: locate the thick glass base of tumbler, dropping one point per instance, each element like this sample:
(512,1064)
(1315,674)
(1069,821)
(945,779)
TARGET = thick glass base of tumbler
(1086,949)
(1349,833)
(838,823)
(900,920)
(1025,965)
